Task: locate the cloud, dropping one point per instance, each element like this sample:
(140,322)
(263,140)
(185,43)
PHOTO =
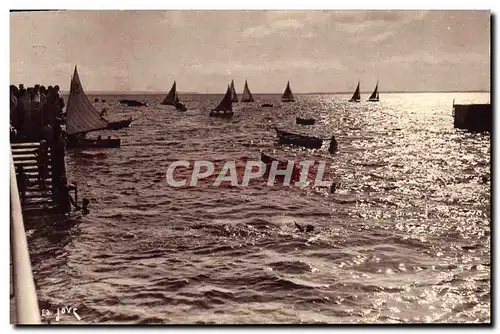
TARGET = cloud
(293,65)
(437,58)
(278,26)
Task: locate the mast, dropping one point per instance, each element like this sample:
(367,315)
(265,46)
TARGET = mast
(247,95)
(234,96)
(169,100)
(81,116)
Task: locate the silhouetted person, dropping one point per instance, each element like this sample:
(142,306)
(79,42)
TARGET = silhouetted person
(333,187)
(333,145)
(48,134)
(85,205)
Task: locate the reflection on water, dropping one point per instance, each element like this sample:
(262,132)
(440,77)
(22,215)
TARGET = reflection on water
(405,238)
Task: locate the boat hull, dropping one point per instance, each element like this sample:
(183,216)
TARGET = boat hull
(372,100)
(287,100)
(298,140)
(133,103)
(267,105)
(221,114)
(180,107)
(119,124)
(305,121)
(351,100)
(93,143)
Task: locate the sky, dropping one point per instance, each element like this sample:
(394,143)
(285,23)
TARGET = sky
(317,51)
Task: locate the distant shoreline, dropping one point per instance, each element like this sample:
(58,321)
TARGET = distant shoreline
(279,93)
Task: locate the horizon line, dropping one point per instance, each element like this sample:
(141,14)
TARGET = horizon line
(132,92)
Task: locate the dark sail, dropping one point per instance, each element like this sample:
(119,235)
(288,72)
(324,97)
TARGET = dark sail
(374,97)
(287,95)
(176,100)
(247,95)
(169,100)
(81,116)
(356,97)
(227,102)
(234,96)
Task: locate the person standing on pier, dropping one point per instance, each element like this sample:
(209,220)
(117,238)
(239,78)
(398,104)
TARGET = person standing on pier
(37,119)
(42,161)
(48,134)
(23,105)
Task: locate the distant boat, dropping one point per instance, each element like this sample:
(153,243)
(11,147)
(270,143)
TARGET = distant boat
(267,105)
(305,121)
(226,106)
(374,97)
(169,100)
(287,95)
(117,125)
(133,103)
(247,95)
(304,141)
(82,117)
(234,96)
(179,105)
(298,140)
(356,97)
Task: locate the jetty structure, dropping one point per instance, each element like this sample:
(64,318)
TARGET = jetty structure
(473,117)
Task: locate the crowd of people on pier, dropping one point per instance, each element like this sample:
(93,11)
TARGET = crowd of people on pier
(36,115)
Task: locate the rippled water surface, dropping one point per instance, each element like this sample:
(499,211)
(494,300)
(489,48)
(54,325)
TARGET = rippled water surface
(405,238)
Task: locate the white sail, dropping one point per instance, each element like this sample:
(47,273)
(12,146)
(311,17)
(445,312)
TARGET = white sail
(247,95)
(81,116)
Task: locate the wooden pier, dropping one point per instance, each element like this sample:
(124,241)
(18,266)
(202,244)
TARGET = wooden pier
(41,195)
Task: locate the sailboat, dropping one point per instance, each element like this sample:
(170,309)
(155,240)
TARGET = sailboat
(247,95)
(374,97)
(169,100)
(287,95)
(82,117)
(226,105)
(356,97)
(234,96)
